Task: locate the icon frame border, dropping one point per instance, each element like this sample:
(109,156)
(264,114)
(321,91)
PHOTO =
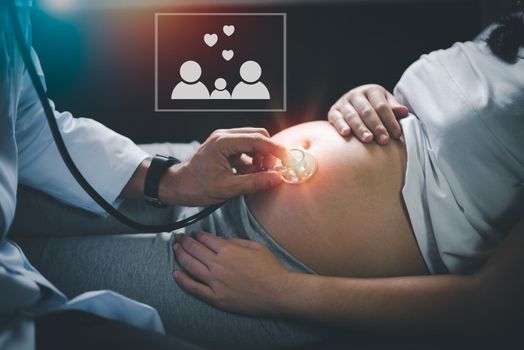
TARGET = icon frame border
(284,60)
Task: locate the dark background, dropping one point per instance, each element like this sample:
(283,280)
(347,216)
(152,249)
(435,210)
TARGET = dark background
(100,64)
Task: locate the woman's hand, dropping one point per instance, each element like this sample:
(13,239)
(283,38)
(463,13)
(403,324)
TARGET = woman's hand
(208,177)
(232,274)
(370,112)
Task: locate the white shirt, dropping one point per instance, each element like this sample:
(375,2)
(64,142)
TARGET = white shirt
(464,186)
(29,155)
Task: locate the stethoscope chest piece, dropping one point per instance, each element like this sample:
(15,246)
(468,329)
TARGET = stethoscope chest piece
(300,166)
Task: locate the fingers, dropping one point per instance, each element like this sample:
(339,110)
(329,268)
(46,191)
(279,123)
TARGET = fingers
(386,116)
(255,182)
(247,163)
(258,161)
(231,144)
(248,130)
(241,162)
(196,249)
(210,241)
(244,242)
(244,164)
(336,118)
(268,162)
(399,109)
(263,162)
(370,112)
(190,263)
(193,287)
(367,119)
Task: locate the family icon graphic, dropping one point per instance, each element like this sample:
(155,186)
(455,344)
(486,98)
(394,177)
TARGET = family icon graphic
(250,88)
(220,62)
(190,88)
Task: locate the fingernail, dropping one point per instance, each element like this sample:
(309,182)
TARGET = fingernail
(383,138)
(176,246)
(176,274)
(367,136)
(345,130)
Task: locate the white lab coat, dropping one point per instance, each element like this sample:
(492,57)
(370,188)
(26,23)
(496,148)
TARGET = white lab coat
(28,155)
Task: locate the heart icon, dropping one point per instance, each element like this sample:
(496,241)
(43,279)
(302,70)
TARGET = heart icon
(229,30)
(227,54)
(210,39)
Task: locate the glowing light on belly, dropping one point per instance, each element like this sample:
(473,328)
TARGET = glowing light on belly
(299,167)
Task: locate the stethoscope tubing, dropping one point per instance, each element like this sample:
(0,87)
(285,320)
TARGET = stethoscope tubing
(68,160)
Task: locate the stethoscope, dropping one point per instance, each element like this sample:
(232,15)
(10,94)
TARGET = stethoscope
(300,166)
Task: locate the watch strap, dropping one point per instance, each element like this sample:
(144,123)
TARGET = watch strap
(157,168)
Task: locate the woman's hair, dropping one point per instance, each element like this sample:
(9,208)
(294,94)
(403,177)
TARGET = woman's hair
(506,39)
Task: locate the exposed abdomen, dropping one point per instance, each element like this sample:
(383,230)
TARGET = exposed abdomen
(348,219)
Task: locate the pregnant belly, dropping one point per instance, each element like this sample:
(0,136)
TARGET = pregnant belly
(349,218)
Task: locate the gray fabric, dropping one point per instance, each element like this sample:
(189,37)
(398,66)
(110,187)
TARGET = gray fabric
(140,267)
(79,252)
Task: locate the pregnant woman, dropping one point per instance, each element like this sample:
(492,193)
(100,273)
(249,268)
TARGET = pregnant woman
(422,233)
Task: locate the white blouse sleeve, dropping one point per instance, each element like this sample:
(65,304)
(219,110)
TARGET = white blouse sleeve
(106,159)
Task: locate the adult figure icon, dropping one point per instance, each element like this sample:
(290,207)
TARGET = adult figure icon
(250,88)
(190,88)
(220,92)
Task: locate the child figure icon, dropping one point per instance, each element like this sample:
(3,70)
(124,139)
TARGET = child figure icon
(220,92)
(190,88)
(250,88)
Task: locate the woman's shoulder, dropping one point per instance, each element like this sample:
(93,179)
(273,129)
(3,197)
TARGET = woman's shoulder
(480,75)
(443,74)
(464,82)
(461,53)
(440,63)
(477,56)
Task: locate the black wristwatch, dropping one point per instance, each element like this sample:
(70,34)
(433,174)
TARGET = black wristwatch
(159,165)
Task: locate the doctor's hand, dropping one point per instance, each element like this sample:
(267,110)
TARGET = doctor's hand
(232,274)
(370,112)
(208,177)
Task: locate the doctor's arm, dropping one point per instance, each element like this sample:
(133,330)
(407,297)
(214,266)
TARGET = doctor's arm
(245,277)
(207,177)
(116,167)
(106,159)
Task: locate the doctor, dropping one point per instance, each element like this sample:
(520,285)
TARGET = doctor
(117,169)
